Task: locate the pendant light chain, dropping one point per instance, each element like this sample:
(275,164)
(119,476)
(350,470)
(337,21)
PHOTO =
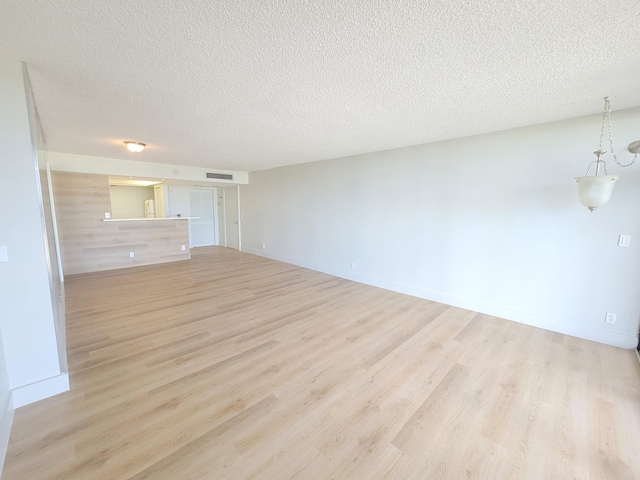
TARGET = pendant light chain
(604,120)
(607,117)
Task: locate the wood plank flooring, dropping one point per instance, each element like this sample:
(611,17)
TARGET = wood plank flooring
(231,366)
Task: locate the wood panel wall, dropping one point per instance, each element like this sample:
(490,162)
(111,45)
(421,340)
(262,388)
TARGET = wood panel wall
(88,244)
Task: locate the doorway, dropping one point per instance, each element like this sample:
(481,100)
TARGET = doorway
(158,191)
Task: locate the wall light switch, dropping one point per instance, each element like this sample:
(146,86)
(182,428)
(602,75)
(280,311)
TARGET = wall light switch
(4,255)
(353,266)
(624,240)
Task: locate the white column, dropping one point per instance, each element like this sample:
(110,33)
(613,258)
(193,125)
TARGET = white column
(26,311)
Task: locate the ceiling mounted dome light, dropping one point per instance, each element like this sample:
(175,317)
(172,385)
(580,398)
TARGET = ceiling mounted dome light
(595,190)
(135,147)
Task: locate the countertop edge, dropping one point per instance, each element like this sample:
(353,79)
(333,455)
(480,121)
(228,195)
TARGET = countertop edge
(145,219)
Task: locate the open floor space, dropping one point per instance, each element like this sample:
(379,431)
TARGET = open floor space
(233,366)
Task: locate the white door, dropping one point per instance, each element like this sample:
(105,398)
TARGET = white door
(231,217)
(202,230)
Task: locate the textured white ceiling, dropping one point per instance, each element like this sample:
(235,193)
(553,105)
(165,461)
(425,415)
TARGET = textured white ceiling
(249,85)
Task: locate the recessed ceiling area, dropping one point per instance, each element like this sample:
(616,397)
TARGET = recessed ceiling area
(133,182)
(253,85)
(121,181)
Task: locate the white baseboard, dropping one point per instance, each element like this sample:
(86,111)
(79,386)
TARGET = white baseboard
(6,422)
(40,390)
(535,320)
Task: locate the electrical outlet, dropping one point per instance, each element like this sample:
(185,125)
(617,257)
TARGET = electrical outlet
(624,240)
(131,254)
(183,248)
(107,215)
(353,266)
(264,245)
(610,317)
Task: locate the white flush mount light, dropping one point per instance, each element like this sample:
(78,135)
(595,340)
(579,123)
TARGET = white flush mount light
(595,190)
(135,147)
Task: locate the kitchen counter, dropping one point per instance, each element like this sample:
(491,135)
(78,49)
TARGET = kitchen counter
(146,219)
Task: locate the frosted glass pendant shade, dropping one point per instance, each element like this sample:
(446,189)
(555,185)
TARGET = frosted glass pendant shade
(595,191)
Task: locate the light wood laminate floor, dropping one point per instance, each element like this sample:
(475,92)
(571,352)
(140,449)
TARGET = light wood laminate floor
(231,366)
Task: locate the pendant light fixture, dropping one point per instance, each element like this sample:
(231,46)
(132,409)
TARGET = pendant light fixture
(595,190)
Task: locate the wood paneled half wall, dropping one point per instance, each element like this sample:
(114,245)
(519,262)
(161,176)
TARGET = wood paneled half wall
(89,244)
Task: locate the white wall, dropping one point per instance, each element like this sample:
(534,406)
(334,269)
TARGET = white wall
(29,348)
(27,318)
(489,223)
(178,200)
(6,406)
(128,201)
(179,203)
(222,234)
